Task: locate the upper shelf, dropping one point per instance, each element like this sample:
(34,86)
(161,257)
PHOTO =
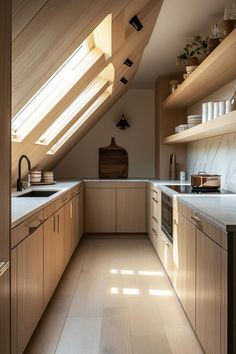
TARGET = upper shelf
(215,71)
(218,126)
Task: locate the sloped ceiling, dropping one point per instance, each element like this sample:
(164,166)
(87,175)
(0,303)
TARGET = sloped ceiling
(46,33)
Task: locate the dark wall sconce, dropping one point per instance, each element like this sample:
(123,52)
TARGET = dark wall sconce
(128,62)
(124,80)
(123,123)
(135,22)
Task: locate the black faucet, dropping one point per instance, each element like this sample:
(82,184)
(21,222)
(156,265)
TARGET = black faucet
(19,182)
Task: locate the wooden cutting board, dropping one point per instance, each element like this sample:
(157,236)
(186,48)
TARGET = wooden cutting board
(113,161)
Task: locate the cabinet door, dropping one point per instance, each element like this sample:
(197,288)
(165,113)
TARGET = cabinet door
(69,214)
(190,271)
(179,257)
(100,210)
(131,210)
(50,240)
(208,293)
(81,213)
(29,286)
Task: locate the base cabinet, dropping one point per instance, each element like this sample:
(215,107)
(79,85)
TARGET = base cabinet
(200,280)
(53,253)
(131,210)
(120,208)
(27,285)
(100,210)
(208,293)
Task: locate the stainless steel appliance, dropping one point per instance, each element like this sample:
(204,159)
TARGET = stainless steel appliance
(166,215)
(205,181)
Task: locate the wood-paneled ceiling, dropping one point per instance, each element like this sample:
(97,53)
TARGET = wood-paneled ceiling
(45,34)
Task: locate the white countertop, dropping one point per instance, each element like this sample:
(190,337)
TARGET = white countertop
(22,208)
(219,209)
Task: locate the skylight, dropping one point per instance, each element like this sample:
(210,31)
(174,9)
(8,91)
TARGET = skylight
(53,91)
(72,110)
(79,123)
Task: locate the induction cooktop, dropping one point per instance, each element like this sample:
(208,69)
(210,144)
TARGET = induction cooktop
(187,189)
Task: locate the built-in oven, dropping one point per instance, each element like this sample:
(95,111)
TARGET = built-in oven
(166,215)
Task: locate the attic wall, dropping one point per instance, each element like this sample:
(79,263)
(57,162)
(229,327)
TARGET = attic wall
(138,140)
(37,55)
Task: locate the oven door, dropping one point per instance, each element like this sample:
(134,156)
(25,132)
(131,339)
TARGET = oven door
(166,216)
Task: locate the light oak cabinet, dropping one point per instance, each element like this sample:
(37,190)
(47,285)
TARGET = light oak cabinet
(27,285)
(131,210)
(208,293)
(54,261)
(200,277)
(80,204)
(39,260)
(115,208)
(100,210)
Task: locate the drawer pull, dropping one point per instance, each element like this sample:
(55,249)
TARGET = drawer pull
(155,219)
(154,231)
(196,218)
(155,200)
(34,228)
(153,190)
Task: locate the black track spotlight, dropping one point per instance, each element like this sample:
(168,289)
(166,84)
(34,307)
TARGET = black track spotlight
(128,62)
(124,80)
(123,123)
(135,22)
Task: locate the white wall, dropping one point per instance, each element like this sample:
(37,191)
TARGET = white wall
(139,140)
(215,155)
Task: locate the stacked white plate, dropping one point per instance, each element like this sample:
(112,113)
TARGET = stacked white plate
(194,120)
(35,176)
(48,177)
(180,128)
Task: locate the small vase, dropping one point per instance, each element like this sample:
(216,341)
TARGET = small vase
(191,61)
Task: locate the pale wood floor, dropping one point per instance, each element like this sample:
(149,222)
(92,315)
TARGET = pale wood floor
(103,305)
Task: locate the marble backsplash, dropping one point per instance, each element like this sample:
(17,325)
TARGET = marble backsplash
(216,156)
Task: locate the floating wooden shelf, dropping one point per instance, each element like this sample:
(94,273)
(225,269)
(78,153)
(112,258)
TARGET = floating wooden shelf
(215,71)
(222,125)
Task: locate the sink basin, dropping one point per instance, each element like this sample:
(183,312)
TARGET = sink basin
(37,194)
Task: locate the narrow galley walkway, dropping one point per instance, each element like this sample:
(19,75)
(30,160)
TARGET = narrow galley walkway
(114,298)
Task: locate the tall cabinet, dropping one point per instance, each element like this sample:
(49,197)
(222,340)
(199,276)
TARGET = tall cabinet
(5,171)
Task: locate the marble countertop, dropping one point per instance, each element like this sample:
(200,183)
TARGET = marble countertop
(219,209)
(22,208)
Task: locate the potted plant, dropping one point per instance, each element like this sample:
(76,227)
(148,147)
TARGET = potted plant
(194,50)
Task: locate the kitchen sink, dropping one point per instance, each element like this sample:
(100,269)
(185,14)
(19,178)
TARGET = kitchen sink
(37,194)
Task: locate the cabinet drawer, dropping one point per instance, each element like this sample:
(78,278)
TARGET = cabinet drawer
(26,228)
(57,204)
(211,230)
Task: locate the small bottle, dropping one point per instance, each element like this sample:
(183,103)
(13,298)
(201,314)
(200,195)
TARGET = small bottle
(233,100)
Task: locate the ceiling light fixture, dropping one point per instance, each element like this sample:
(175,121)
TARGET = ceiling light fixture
(128,62)
(123,123)
(124,80)
(135,22)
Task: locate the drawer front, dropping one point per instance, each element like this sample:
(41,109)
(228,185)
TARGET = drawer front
(211,230)
(26,228)
(117,185)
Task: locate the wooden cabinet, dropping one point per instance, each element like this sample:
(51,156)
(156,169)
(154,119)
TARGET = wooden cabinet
(54,259)
(190,271)
(180,257)
(69,229)
(27,285)
(100,210)
(115,207)
(131,210)
(208,293)
(200,277)
(81,212)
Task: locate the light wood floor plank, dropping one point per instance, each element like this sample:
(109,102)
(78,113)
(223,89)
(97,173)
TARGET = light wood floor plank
(114,298)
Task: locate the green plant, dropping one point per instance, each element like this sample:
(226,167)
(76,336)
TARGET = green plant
(197,47)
